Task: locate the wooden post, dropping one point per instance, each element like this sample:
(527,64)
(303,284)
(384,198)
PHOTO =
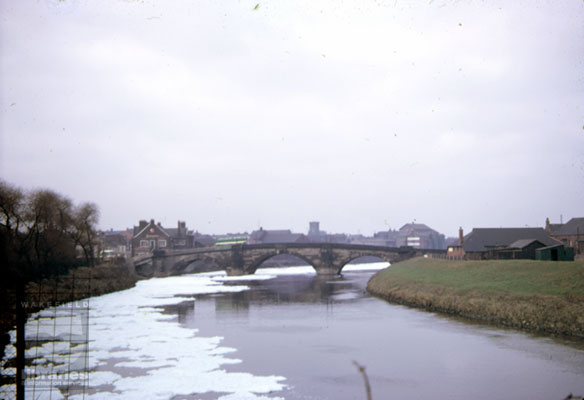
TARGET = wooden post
(20,340)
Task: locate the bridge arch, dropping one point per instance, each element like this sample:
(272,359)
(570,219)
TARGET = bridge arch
(256,264)
(365,256)
(188,264)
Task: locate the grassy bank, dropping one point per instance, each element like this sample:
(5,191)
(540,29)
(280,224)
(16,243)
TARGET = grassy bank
(540,296)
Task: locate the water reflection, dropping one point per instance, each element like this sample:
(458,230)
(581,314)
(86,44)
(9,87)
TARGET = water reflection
(284,290)
(309,328)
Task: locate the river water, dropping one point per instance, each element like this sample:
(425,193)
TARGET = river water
(287,333)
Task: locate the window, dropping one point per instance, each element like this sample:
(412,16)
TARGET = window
(144,243)
(162,243)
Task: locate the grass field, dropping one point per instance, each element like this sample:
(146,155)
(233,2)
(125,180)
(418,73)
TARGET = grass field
(536,295)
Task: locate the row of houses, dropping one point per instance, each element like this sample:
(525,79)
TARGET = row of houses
(148,237)
(412,234)
(555,242)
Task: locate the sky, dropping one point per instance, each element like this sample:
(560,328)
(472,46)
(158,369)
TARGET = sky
(363,115)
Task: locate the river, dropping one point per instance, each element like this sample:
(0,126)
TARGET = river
(287,333)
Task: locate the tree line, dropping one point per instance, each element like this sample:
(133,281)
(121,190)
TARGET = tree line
(43,234)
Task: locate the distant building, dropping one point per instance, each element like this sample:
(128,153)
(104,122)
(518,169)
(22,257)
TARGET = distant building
(202,240)
(454,248)
(367,240)
(149,237)
(489,243)
(276,236)
(519,249)
(315,235)
(571,234)
(420,236)
(314,230)
(389,237)
(114,244)
(336,238)
(556,252)
(231,238)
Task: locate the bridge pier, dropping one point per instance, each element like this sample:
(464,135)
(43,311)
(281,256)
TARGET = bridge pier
(235,271)
(327,271)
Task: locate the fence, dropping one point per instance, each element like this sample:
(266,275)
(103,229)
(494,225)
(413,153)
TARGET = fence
(45,355)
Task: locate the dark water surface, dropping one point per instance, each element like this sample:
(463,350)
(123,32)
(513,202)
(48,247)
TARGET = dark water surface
(311,329)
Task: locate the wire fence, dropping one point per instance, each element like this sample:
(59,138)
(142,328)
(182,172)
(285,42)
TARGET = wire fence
(45,355)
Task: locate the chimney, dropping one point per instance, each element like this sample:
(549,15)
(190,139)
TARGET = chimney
(460,236)
(548,228)
(142,224)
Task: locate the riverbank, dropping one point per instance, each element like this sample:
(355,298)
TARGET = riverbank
(78,284)
(539,296)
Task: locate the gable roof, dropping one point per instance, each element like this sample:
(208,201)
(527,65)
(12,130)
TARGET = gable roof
(151,224)
(559,245)
(482,239)
(410,228)
(523,243)
(572,227)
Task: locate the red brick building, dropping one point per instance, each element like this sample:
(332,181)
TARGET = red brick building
(571,234)
(149,236)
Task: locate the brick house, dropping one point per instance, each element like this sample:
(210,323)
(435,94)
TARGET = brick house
(114,244)
(151,236)
(571,234)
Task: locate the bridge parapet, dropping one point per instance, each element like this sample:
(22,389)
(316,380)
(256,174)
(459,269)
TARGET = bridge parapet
(243,259)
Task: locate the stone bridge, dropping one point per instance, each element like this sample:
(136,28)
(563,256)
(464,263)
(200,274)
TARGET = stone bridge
(244,259)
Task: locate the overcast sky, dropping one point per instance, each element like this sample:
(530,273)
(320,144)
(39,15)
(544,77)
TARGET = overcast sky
(363,115)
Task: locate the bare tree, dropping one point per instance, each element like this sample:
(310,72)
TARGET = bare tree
(40,231)
(83,230)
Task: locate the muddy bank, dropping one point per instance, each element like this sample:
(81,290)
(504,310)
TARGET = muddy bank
(444,286)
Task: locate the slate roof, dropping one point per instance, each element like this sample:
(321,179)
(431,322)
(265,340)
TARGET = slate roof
(551,247)
(571,227)
(523,243)
(176,233)
(482,239)
(411,228)
(555,227)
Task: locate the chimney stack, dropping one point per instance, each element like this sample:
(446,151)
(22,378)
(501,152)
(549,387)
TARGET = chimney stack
(460,236)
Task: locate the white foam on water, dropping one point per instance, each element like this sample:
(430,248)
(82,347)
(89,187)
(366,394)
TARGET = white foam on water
(299,270)
(254,277)
(162,359)
(153,355)
(366,267)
